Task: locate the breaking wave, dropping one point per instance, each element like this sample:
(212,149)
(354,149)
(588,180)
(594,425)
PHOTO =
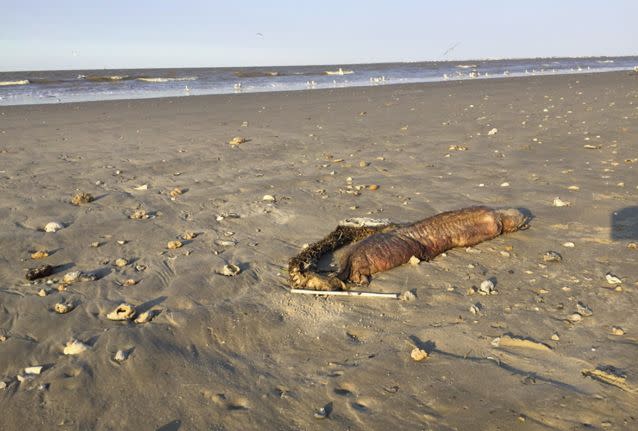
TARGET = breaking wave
(19,82)
(158,79)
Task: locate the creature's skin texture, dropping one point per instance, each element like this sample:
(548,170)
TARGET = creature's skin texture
(385,247)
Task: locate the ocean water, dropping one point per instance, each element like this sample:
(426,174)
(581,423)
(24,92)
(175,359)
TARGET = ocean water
(19,88)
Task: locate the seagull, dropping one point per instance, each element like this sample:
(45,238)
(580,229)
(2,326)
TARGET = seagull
(260,35)
(451,48)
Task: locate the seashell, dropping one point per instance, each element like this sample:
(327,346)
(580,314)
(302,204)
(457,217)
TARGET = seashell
(558,202)
(75,347)
(237,140)
(229,270)
(268,198)
(121,241)
(95,244)
(555,336)
(492,132)
(457,148)
(139,214)
(146,316)
(39,272)
(569,244)
(418,355)
(407,296)
(226,242)
(487,288)
(71,277)
(475,308)
(373,187)
(322,413)
(43,292)
(35,370)
(123,311)
(552,256)
(189,235)
(40,254)
(81,198)
(414,261)
(129,282)
(612,279)
(53,226)
(172,245)
(121,262)
(583,310)
(120,356)
(632,246)
(573,188)
(176,192)
(142,187)
(63,308)
(574,318)
(505,184)
(616,330)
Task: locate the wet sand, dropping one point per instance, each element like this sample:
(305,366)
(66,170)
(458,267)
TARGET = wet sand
(236,353)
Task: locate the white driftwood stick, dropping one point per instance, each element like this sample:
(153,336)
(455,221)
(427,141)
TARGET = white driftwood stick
(346,293)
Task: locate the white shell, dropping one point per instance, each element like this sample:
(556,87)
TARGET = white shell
(53,226)
(75,347)
(229,270)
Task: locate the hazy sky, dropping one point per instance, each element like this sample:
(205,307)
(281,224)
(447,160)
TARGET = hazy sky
(48,34)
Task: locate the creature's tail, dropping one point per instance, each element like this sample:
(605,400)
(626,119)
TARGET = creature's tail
(512,219)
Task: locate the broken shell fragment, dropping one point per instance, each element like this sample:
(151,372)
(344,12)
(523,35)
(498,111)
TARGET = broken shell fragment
(612,279)
(129,282)
(72,277)
(53,226)
(40,254)
(123,311)
(492,132)
(81,198)
(418,355)
(120,356)
(121,262)
(229,270)
(558,202)
(172,245)
(39,272)
(414,261)
(552,256)
(146,316)
(268,198)
(176,192)
(35,370)
(487,288)
(63,308)
(189,235)
(237,140)
(575,318)
(583,310)
(616,330)
(139,214)
(373,187)
(407,296)
(75,347)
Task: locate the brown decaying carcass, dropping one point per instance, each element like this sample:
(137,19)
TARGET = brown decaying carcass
(381,248)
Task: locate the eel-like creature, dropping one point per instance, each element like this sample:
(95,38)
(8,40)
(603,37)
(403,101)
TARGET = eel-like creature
(383,247)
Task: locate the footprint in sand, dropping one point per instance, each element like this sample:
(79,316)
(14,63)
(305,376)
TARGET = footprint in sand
(227,402)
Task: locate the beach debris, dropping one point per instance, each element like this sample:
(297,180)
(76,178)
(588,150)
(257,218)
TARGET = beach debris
(75,347)
(414,261)
(610,375)
(612,279)
(569,244)
(63,307)
(237,140)
(188,235)
(552,256)
(172,245)
(39,272)
(475,309)
(139,214)
(418,355)
(176,192)
(123,311)
(583,310)
(268,198)
(33,371)
(408,295)
(121,262)
(555,336)
(346,293)
(120,356)
(81,198)
(575,317)
(40,254)
(229,270)
(558,202)
(53,226)
(373,187)
(487,288)
(146,316)
(512,341)
(141,188)
(617,330)
(493,131)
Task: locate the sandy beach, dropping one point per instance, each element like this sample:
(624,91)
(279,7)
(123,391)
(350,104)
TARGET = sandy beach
(554,346)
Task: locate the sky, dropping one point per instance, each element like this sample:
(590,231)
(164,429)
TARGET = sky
(65,34)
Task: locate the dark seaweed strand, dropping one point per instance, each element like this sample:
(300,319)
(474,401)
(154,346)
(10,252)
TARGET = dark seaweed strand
(307,260)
